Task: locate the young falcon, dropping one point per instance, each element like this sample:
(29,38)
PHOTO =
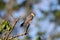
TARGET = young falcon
(28,20)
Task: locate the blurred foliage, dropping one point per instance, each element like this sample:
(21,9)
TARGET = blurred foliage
(38,38)
(15,39)
(59,2)
(36,1)
(57,16)
(56,35)
(40,33)
(5,25)
(15,7)
(27,37)
(44,12)
(2,4)
(18,6)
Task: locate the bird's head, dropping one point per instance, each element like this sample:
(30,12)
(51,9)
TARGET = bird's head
(32,14)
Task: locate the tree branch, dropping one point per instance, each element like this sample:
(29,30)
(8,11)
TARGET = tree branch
(12,28)
(26,31)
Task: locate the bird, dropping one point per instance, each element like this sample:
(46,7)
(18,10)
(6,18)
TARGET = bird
(28,20)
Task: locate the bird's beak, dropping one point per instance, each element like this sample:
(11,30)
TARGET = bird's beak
(32,14)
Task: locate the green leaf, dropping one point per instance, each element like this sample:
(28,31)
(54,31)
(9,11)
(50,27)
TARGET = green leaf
(5,25)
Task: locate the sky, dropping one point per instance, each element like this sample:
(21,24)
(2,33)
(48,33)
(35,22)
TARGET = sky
(45,25)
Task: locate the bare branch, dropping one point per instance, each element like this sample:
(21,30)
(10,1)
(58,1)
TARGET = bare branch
(18,35)
(12,28)
(26,31)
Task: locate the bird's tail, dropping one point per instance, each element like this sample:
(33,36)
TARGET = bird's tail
(22,24)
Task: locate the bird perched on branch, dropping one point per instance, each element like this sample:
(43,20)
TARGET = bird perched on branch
(28,20)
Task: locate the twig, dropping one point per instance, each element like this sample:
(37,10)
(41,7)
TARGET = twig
(26,31)
(17,36)
(9,12)
(12,28)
